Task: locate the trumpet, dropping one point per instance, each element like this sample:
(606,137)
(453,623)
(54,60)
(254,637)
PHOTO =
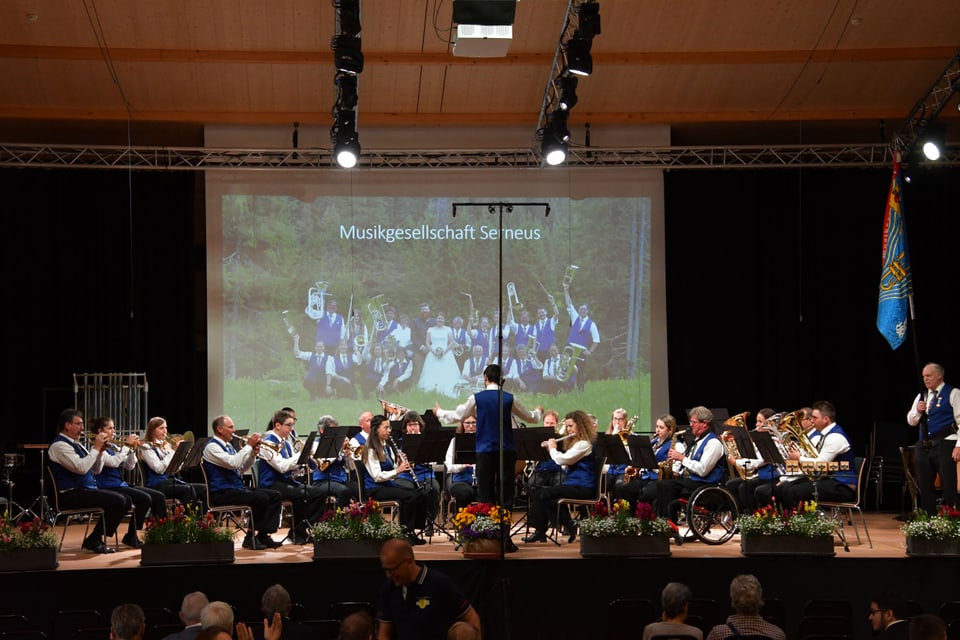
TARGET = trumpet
(116,444)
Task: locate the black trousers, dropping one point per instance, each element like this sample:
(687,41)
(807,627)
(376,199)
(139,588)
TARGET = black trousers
(490,482)
(413,505)
(670,490)
(144,498)
(462,493)
(265,504)
(308,501)
(185,493)
(929,462)
(114,506)
(543,511)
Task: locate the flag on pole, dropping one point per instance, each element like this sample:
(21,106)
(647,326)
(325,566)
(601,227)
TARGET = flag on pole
(896,283)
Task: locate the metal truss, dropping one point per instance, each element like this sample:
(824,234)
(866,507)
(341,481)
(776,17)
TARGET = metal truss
(673,158)
(929,106)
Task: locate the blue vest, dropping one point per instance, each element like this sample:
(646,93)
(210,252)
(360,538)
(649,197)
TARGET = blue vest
(109,477)
(317,370)
(580,332)
(717,472)
(488,421)
(483,339)
(660,453)
(385,465)
(397,369)
(336,472)
(844,477)
(546,335)
(383,335)
(329,332)
(477,366)
(522,334)
(67,479)
(341,368)
(940,415)
(460,336)
(153,478)
(221,479)
(583,473)
(268,476)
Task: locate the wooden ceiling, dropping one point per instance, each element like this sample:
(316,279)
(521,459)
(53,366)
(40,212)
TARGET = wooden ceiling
(713,64)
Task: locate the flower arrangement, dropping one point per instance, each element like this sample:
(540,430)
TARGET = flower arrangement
(806,521)
(185,526)
(619,521)
(26,534)
(943,526)
(481,521)
(356,521)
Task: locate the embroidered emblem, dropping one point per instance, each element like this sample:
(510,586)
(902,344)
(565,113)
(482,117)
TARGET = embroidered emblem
(423,603)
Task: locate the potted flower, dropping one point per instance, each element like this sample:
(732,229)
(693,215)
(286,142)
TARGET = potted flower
(27,545)
(355,531)
(934,536)
(619,532)
(478,529)
(770,530)
(185,537)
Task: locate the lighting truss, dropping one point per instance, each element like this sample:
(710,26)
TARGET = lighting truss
(927,108)
(837,156)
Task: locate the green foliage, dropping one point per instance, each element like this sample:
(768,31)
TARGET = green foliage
(806,521)
(356,522)
(26,534)
(943,526)
(185,526)
(619,521)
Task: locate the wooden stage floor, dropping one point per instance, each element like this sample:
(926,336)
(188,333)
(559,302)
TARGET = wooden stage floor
(884,532)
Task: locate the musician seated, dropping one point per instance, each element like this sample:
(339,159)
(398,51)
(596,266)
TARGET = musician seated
(318,380)
(382,465)
(834,445)
(472,370)
(460,477)
(344,365)
(332,475)
(511,370)
(156,454)
(551,381)
(699,468)
(224,466)
(373,371)
(73,466)
(399,375)
(618,425)
(426,479)
(547,472)
(144,498)
(755,471)
(529,370)
(642,486)
(579,478)
(278,470)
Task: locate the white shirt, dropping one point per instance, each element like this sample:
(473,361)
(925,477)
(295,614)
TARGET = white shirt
(241,461)
(712,452)
(65,455)
(469,408)
(573,455)
(913,416)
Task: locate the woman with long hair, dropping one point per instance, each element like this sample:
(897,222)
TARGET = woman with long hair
(382,463)
(579,466)
(155,456)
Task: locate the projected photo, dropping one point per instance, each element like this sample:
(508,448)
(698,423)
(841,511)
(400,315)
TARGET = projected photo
(335,304)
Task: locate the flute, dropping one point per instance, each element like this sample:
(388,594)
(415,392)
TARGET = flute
(544,443)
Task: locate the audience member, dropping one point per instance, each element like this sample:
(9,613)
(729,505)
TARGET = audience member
(888,612)
(674,600)
(402,613)
(275,604)
(927,626)
(217,614)
(746,596)
(462,631)
(127,622)
(357,626)
(193,603)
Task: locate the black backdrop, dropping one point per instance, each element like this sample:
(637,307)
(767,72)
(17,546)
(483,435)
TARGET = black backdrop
(771,279)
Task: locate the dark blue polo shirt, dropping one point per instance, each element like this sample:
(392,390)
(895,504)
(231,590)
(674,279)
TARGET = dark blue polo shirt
(432,604)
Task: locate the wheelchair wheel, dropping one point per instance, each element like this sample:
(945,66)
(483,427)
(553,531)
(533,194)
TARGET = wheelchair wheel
(712,514)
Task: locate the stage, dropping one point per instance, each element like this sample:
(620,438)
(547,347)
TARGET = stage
(542,590)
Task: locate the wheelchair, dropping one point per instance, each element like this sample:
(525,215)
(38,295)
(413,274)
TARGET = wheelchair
(709,514)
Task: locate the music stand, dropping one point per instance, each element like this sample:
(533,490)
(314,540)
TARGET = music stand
(465,449)
(307,452)
(642,452)
(744,444)
(196,454)
(611,447)
(431,421)
(529,447)
(180,456)
(433,449)
(330,441)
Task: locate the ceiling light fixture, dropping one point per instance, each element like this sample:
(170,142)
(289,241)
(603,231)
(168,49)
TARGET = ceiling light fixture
(348,60)
(933,140)
(567,86)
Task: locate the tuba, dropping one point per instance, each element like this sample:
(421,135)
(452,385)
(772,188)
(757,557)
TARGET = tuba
(568,360)
(794,437)
(738,421)
(315,295)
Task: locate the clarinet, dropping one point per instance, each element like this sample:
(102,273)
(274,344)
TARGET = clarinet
(403,458)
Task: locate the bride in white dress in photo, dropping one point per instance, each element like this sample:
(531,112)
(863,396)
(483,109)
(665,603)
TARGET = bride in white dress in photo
(440,371)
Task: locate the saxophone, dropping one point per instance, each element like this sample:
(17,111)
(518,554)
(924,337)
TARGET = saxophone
(665,469)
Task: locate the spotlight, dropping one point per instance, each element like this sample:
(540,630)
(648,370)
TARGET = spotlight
(346,144)
(933,140)
(347,56)
(588,20)
(579,60)
(554,138)
(349,14)
(567,86)
(348,90)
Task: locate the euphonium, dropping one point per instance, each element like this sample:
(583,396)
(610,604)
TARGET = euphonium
(738,421)
(315,295)
(568,275)
(377,313)
(794,437)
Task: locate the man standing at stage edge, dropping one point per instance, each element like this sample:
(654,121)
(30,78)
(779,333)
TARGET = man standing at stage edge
(937,412)
(486,406)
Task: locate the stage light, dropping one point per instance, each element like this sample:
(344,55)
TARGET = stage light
(347,83)
(567,87)
(588,20)
(349,14)
(577,54)
(554,138)
(346,143)
(347,56)
(933,140)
